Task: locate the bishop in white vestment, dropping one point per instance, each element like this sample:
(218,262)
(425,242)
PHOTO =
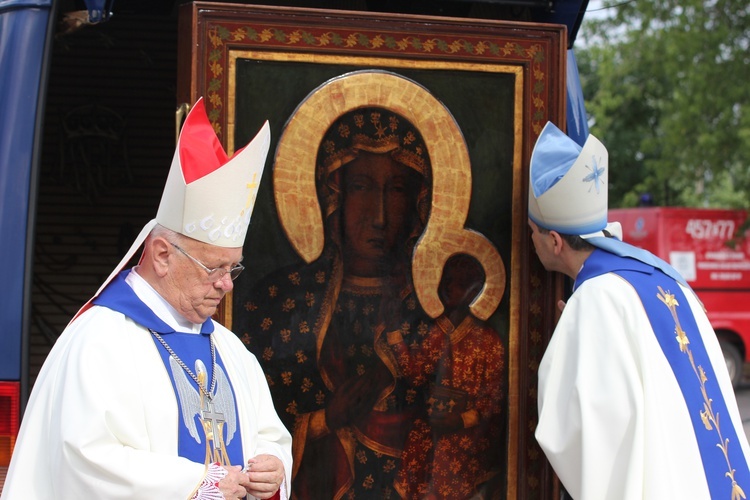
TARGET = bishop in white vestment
(635,401)
(144,396)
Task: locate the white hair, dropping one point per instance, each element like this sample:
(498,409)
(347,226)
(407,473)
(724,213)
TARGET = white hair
(171,236)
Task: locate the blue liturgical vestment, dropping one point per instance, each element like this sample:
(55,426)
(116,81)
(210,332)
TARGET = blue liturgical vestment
(104,420)
(634,398)
(189,347)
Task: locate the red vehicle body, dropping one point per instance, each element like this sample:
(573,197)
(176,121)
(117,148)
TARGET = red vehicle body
(712,251)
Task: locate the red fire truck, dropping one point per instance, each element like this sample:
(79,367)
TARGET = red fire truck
(711,249)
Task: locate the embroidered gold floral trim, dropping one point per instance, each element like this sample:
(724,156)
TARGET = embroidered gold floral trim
(708,417)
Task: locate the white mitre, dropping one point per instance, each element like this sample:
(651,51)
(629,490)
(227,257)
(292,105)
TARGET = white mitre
(568,183)
(208,196)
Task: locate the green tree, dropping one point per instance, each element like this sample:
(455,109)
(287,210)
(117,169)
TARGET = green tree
(666,89)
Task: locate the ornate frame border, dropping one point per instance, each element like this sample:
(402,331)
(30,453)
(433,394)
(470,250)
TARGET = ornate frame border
(212,37)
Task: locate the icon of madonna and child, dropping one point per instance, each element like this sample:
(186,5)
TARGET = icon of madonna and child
(375,345)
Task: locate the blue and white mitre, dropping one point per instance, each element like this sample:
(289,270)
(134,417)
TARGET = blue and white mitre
(568,187)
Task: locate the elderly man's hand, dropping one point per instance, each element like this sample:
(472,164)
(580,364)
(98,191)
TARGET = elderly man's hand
(234,485)
(265,474)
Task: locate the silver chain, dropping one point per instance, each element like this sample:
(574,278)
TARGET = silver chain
(209,393)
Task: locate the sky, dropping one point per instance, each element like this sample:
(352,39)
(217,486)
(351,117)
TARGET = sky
(596,8)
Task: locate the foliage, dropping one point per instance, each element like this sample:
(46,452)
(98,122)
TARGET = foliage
(665,83)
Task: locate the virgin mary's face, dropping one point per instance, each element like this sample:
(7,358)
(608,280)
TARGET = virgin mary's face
(377,210)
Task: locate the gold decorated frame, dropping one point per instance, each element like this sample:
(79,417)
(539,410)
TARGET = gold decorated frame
(217,38)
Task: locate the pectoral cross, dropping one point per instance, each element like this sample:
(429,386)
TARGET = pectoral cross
(214,420)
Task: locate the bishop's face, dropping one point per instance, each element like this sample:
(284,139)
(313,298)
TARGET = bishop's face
(377,211)
(192,292)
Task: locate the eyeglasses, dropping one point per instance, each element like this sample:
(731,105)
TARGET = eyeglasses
(216,273)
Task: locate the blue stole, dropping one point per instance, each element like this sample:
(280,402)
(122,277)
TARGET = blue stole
(676,330)
(118,296)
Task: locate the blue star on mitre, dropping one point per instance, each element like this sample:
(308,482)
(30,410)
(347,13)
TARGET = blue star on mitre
(595,175)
